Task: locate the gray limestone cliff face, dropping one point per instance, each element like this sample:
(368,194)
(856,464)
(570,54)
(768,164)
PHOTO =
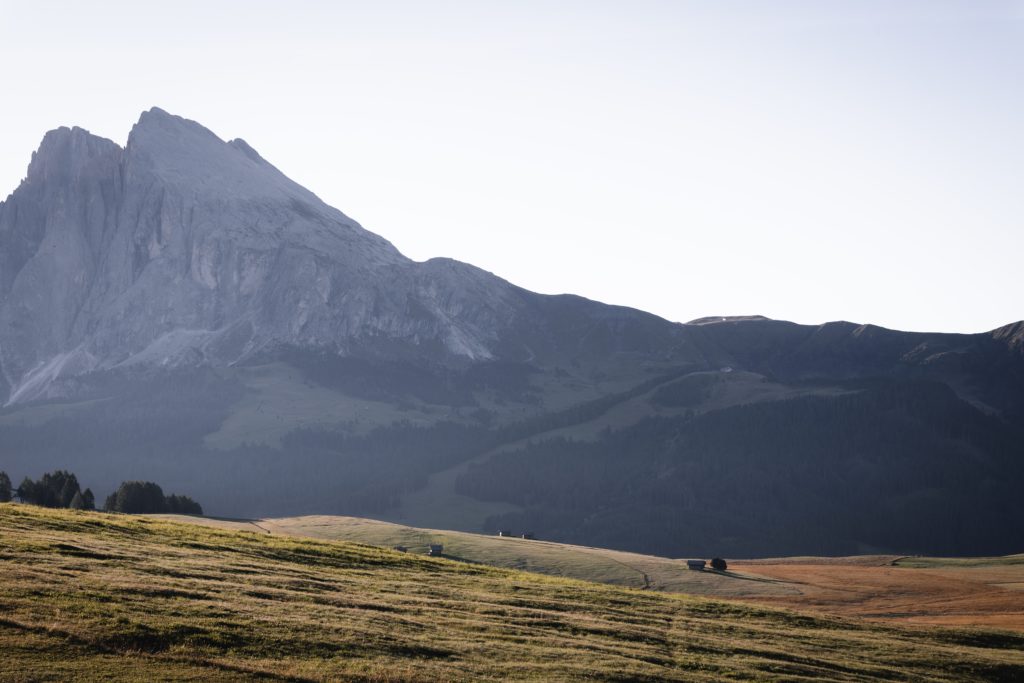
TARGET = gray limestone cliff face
(181,248)
(52,235)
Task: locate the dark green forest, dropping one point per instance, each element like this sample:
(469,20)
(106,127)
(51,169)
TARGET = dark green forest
(155,432)
(905,467)
(896,465)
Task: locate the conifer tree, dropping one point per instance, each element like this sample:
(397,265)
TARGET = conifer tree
(5,487)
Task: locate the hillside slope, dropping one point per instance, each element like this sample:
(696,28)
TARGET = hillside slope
(602,565)
(978,591)
(89,597)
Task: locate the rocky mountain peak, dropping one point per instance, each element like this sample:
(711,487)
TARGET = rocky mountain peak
(67,152)
(245,148)
(160,129)
(184,154)
(182,248)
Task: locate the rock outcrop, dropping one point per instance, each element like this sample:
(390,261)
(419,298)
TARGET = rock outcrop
(181,248)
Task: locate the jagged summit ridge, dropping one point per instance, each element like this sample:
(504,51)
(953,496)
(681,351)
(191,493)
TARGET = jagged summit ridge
(181,248)
(178,246)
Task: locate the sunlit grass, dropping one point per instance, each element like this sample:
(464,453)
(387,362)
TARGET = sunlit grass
(86,596)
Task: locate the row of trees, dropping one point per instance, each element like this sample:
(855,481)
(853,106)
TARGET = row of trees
(60,489)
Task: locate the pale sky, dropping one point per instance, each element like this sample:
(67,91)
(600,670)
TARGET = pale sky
(809,161)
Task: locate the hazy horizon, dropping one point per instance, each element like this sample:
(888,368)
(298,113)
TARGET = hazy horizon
(808,162)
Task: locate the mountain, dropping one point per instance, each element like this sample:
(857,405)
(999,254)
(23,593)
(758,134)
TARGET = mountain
(179,310)
(182,249)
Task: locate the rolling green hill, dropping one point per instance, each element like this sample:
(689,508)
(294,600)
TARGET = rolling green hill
(603,565)
(87,596)
(973,591)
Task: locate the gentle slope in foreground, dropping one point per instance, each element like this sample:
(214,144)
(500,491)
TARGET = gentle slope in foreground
(980,591)
(87,596)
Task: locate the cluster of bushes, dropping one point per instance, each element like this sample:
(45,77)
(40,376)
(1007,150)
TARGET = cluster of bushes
(60,489)
(143,497)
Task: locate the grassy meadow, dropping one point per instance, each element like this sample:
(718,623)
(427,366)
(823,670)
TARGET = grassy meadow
(632,570)
(89,596)
(981,591)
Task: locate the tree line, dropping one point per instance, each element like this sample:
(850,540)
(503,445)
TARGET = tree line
(60,489)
